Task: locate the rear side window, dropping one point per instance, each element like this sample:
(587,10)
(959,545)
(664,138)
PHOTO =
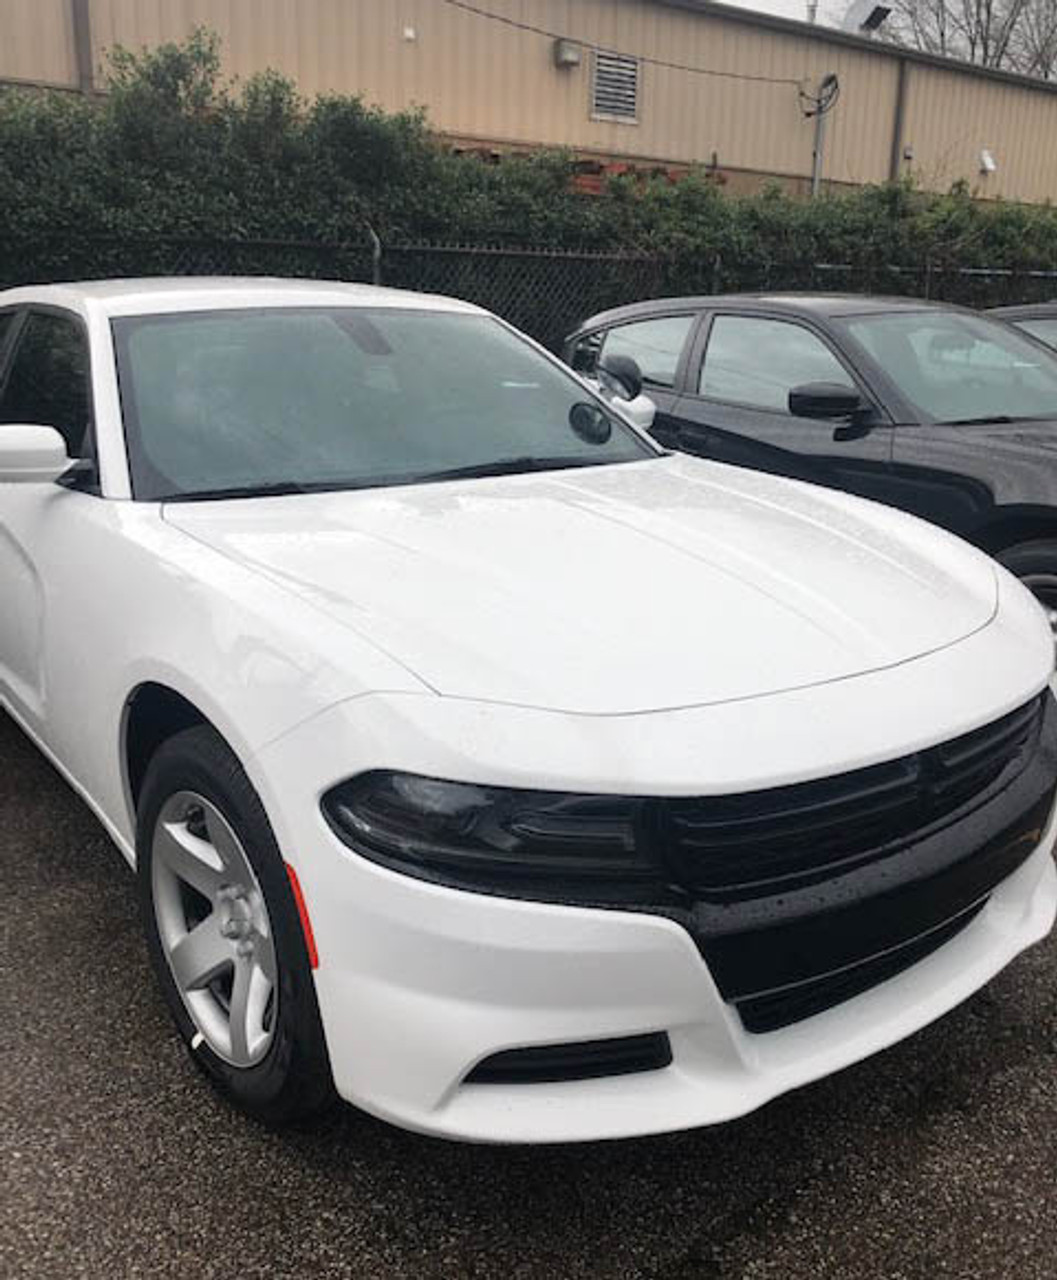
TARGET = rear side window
(655,346)
(47,380)
(757,361)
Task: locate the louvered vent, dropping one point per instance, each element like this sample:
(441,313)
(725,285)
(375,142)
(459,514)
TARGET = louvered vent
(616,87)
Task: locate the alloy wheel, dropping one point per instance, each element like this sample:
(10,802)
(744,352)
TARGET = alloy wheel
(214,929)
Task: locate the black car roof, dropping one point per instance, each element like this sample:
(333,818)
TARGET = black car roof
(802,304)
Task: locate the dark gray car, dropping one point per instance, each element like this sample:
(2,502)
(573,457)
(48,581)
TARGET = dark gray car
(1038,318)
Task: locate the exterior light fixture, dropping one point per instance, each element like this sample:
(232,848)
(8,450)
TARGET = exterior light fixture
(567,54)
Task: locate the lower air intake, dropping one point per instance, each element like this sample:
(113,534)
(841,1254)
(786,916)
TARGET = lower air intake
(582,1060)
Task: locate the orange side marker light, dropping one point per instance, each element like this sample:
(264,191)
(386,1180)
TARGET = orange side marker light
(306,923)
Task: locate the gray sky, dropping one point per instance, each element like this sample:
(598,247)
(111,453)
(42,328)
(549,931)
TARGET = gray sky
(829,10)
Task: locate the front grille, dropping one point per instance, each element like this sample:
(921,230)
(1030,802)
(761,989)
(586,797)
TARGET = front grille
(777,1009)
(735,847)
(580,1060)
(866,873)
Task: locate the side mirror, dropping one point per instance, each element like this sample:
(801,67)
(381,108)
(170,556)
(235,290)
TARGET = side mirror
(31,454)
(641,411)
(824,400)
(620,376)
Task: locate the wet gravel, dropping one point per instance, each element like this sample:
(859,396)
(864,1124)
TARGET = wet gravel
(935,1159)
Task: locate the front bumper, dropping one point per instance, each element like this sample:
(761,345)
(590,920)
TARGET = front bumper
(418,983)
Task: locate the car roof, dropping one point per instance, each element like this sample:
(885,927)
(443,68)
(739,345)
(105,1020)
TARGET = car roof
(157,294)
(1026,311)
(794,304)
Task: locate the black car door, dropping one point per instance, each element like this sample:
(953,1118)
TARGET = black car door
(735,405)
(659,345)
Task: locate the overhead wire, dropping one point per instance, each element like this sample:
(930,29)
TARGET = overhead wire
(505,20)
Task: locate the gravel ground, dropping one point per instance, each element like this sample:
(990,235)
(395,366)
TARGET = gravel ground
(935,1159)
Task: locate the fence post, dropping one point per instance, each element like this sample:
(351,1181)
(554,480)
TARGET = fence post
(376,255)
(928,277)
(717,273)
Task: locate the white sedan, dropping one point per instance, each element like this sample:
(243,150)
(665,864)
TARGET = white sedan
(481,763)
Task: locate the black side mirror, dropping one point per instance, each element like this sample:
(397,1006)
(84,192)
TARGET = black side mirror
(826,400)
(620,376)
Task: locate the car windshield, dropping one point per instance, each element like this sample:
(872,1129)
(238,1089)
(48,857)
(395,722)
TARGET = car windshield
(277,400)
(955,368)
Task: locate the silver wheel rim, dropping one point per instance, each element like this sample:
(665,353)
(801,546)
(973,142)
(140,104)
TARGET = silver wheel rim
(1044,588)
(214,929)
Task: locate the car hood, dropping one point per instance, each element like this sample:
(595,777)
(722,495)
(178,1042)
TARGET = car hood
(668,583)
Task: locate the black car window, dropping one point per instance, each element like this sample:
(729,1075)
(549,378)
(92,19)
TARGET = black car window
(584,358)
(48,383)
(955,367)
(1042,327)
(757,361)
(655,346)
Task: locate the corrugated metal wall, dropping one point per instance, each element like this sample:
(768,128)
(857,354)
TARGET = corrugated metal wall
(482,80)
(36,41)
(951,118)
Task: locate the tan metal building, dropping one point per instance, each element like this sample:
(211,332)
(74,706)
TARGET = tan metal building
(669,82)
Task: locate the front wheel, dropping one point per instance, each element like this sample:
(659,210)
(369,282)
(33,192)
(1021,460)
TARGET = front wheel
(224,934)
(1035,564)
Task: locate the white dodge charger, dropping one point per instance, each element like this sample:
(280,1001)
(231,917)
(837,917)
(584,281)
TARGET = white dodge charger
(481,763)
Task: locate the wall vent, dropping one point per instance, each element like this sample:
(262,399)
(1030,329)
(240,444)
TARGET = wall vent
(615,90)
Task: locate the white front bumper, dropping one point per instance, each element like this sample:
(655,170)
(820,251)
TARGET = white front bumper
(417,983)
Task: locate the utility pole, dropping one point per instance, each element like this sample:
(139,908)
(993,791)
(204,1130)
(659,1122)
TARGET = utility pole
(819,105)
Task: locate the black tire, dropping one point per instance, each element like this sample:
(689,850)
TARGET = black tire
(293,1081)
(1035,563)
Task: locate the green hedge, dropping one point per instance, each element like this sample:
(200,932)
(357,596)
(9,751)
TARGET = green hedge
(172,150)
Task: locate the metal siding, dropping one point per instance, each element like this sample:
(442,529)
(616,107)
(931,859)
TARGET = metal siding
(951,117)
(36,41)
(479,79)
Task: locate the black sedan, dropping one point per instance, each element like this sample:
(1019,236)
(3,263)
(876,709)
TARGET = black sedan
(1037,318)
(944,412)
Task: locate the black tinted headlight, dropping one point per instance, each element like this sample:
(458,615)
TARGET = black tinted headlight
(533,844)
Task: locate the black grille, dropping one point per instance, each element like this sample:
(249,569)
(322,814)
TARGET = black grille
(781,1008)
(581,1060)
(734,847)
(829,908)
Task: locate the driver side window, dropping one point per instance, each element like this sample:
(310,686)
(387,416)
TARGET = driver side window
(756,361)
(48,380)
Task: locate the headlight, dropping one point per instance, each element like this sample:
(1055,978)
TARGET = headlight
(534,844)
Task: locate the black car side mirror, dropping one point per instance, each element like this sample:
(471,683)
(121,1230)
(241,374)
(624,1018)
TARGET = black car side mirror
(825,400)
(620,376)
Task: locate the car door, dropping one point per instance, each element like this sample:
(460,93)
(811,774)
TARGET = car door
(44,381)
(659,345)
(735,406)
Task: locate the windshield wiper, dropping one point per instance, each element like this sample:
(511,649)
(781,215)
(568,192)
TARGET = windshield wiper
(990,419)
(501,467)
(277,490)
(510,466)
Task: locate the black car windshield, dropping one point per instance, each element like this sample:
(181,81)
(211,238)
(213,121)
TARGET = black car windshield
(956,368)
(281,400)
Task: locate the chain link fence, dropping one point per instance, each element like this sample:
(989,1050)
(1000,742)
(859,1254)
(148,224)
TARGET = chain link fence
(545,293)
